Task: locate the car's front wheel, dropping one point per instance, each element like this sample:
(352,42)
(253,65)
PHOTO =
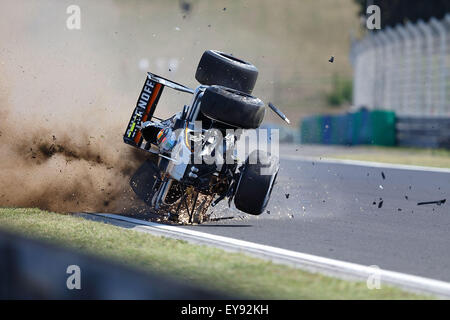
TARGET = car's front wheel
(256,182)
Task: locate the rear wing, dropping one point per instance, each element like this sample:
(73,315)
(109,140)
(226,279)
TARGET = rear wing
(146,105)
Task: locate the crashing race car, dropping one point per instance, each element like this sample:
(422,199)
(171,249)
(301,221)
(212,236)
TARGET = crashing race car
(195,163)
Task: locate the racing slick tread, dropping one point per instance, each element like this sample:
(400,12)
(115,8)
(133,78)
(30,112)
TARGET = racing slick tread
(218,68)
(255,185)
(232,107)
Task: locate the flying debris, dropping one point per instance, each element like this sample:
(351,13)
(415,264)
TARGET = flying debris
(438,202)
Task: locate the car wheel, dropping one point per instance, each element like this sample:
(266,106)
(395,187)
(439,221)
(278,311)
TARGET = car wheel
(256,182)
(232,107)
(218,68)
(145,181)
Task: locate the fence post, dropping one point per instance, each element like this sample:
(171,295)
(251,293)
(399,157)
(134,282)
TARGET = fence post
(440,28)
(372,69)
(387,69)
(428,81)
(405,78)
(379,71)
(417,62)
(447,66)
(356,54)
(364,74)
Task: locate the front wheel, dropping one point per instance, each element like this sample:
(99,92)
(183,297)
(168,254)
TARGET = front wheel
(256,182)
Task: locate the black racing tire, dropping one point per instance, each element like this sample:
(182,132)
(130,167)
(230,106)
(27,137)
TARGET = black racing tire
(256,182)
(232,107)
(144,181)
(223,69)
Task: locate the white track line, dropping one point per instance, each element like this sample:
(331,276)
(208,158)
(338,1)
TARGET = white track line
(365,163)
(338,267)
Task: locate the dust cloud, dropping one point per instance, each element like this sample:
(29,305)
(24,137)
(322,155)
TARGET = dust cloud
(65,167)
(62,115)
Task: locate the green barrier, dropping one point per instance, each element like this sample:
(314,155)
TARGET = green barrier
(305,129)
(326,129)
(339,128)
(363,127)
(311,130)
(318,127)
(383,127)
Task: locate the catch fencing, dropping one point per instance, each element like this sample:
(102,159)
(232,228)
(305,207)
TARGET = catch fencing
(406,69)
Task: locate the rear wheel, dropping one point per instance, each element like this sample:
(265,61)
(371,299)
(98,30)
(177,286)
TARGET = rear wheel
(232,107)
(145,181)
(256,182)
(218,68)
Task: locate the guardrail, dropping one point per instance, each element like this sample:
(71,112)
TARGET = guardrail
(31,269)
(423,132)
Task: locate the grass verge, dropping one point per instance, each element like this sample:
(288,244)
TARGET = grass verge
(235,274)
(410,156)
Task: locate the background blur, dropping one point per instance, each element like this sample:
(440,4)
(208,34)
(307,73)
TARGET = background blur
(401,83)
(45,66)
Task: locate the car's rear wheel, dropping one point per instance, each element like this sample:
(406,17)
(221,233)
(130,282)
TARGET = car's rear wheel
(145,180)
(256,182)
(232,107)
(218,68)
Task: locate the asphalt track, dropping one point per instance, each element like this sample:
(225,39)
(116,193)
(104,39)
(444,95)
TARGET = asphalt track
(333,210)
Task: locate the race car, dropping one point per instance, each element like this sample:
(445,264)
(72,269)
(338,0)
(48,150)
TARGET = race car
(195,163)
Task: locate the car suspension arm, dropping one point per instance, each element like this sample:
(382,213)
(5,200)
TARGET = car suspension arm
(279,113)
